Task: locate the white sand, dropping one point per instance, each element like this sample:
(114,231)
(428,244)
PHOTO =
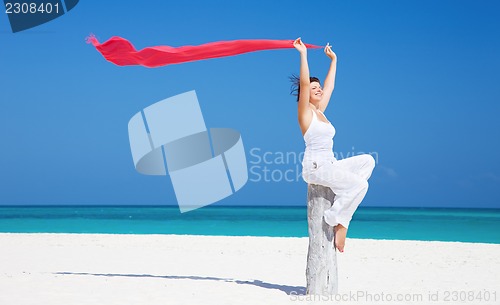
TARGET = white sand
(174,269)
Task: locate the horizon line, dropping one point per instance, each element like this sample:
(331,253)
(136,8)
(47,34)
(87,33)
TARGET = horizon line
(229,206)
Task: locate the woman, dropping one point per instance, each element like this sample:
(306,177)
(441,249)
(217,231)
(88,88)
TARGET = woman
(347,178)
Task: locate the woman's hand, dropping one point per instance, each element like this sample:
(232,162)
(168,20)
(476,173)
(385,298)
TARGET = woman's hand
(329,52)
(300,46)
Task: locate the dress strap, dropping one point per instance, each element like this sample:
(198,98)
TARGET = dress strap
(324,116)
(314,113)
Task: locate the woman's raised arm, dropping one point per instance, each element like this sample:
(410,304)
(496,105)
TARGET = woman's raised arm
(304,113)
(329,83)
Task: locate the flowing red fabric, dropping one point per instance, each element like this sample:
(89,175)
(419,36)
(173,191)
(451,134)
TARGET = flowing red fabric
(122,53)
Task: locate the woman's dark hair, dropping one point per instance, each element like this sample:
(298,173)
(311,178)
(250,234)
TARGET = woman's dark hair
(295,88)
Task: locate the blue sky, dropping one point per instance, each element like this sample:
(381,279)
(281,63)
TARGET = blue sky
(417,85)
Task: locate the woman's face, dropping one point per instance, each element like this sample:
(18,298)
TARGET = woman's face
(316,92)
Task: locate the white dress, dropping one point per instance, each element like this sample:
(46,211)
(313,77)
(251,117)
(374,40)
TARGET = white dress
(347,178)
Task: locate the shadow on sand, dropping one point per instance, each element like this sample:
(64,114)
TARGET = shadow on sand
(289,290)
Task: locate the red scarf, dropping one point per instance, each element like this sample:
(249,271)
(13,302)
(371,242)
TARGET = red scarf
(122,53)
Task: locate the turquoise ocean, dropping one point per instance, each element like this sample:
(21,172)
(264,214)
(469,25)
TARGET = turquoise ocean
(432,224)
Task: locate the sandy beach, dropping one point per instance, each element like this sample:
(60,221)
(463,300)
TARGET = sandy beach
(187,269)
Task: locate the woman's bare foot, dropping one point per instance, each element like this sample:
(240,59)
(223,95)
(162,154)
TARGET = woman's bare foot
(340,235)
